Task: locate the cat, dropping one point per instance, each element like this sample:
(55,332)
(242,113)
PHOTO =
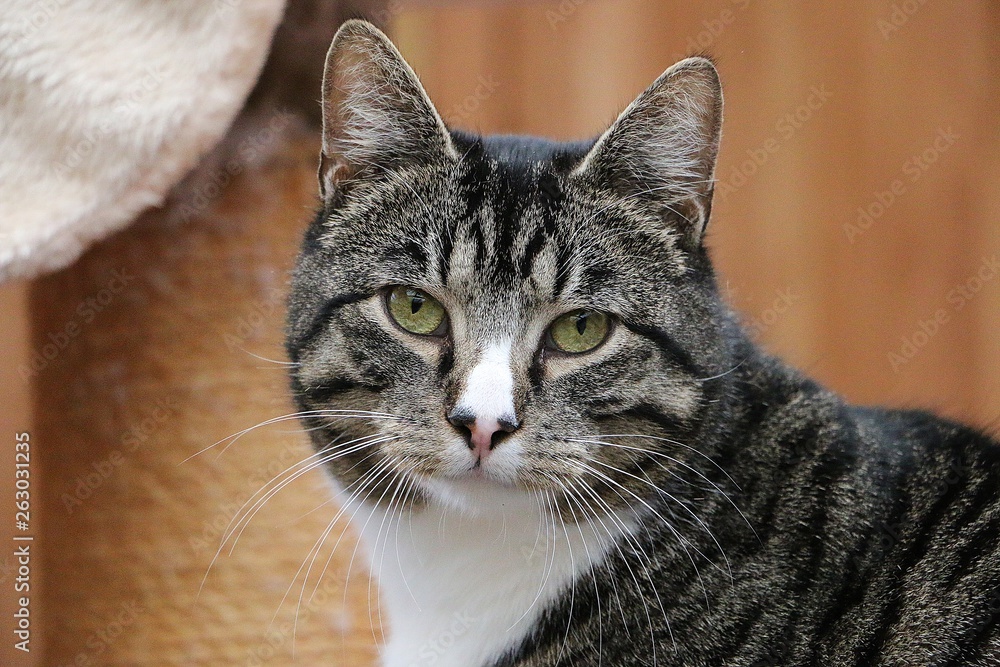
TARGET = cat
(555,440)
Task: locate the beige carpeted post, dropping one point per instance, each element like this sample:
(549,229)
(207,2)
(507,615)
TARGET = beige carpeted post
(158,343)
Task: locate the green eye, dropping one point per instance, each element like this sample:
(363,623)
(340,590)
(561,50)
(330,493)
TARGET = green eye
(416,311)
(579,331)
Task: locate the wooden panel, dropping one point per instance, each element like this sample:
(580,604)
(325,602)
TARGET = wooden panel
(15,418)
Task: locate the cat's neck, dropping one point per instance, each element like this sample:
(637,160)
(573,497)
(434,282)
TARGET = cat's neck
(464,588)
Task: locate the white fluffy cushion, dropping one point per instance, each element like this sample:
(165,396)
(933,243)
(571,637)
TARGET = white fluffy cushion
(106,104)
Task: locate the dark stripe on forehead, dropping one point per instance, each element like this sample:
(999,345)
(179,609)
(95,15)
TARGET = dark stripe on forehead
(475,176)
(446,247)
(597,275)
(511,190)
(549,198)
(507,219)
(563,268)
(669,346)
(531,252)
(411,250)
(476,173)
(509,174)
(479,241)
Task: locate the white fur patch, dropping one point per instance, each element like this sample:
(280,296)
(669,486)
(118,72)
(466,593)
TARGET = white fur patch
(489,389)
(460,589)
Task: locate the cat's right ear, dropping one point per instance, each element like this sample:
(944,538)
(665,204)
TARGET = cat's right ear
(376,115)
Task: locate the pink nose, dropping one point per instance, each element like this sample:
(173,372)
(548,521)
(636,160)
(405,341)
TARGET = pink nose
(484,433)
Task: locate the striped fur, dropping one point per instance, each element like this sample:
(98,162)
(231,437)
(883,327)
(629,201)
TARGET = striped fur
(752,517)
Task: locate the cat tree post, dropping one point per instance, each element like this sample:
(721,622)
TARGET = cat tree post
(155,342)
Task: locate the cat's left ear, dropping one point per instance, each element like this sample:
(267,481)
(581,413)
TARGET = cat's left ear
(662,148)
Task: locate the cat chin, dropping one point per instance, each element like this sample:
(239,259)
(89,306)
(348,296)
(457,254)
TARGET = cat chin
(478,496)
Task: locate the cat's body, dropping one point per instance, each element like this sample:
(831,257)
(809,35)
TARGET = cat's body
(637,484)
(876,544)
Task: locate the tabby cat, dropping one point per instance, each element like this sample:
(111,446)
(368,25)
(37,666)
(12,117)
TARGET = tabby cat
(556,441)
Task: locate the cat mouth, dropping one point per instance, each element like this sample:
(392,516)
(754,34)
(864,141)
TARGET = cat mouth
(482,475)
(478,473)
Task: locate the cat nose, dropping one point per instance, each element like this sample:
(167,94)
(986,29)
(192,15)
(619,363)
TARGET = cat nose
(484,433)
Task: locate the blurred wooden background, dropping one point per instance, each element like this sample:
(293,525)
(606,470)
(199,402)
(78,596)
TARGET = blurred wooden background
(855,226)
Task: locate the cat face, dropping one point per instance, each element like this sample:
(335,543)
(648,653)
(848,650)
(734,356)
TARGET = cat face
(472,316)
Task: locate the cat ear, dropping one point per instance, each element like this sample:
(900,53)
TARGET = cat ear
(376,115)
(662,148)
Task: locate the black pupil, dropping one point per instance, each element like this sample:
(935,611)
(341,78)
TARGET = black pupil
(581,323)
(416,303)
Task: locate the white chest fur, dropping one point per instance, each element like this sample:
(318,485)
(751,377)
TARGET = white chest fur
(459,589)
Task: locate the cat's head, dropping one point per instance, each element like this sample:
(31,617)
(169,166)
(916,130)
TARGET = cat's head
(470,314)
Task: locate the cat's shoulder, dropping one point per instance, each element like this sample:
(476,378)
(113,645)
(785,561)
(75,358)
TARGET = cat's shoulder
(926,438)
